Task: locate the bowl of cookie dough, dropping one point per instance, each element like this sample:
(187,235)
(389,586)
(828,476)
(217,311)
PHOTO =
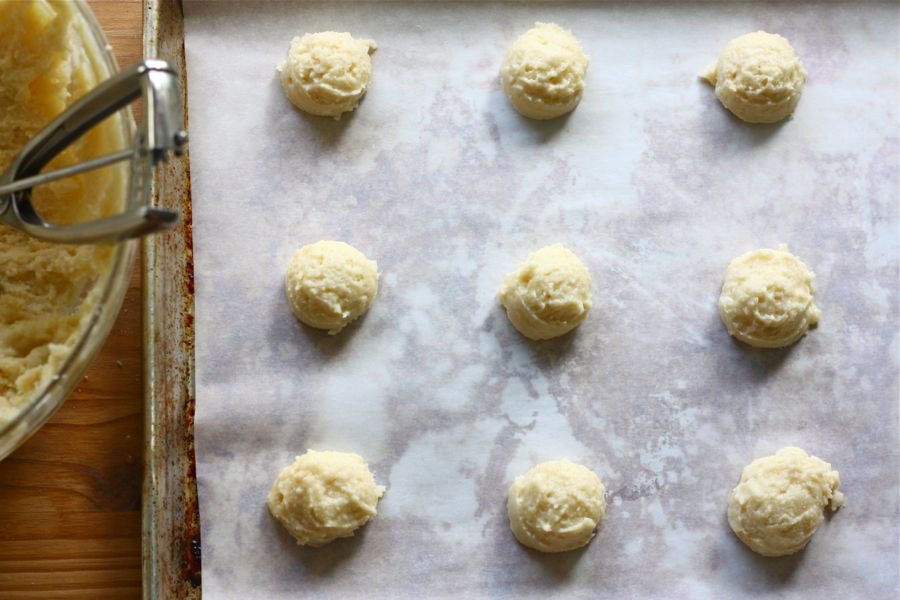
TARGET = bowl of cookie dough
(57,302)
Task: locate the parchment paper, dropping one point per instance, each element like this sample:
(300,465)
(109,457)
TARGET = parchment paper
(655,186)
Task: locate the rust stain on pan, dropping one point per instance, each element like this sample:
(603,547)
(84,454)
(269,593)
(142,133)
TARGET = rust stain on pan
(191,535)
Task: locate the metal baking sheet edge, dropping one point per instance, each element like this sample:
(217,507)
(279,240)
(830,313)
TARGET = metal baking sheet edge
(170,519)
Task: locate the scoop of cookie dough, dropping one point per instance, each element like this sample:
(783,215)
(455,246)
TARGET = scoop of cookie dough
(767,298)
(330,284)
(543,72)
(780,501)
(758,77)
(556,506)
(326,73)
(549,294)
(323,496)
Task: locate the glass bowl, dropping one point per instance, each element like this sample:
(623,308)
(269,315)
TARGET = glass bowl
(112,284)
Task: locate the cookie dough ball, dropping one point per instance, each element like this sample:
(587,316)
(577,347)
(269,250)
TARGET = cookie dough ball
(556,506)
(329,284)
(758,77)
(780,501)
(549,294)
(323,496)
(326,73)
(543,72)
(767,298)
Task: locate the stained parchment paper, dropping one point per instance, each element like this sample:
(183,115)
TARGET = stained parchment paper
(655,186)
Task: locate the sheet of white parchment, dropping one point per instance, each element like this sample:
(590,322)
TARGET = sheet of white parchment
(655,186)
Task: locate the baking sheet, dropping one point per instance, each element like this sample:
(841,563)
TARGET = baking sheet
(654,186)
(170,515)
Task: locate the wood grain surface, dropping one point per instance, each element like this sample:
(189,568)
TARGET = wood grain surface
(70,497)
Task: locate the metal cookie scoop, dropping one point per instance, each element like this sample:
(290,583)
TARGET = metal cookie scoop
(161,132)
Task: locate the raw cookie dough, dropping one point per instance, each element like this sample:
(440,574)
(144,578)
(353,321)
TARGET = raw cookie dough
(543,72)
(767,298)
(327,73)
(549,294)
(329,284)
(49,292)
(556,506)
(758,77)
(323,496)
(780,500)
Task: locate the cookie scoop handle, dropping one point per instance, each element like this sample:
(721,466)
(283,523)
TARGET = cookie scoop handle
(161,132)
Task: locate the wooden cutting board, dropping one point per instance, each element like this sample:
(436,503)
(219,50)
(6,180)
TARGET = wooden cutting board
(70,497)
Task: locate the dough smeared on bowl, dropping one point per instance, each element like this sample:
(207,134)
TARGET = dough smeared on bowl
(327,73)
(758,77)
(330,284)
(556,506)
(49,292)
(323,496)
(767,298)
(549,294)
(780,501)
(543,72)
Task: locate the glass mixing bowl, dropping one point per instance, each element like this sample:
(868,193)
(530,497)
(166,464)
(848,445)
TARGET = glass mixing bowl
(112,284)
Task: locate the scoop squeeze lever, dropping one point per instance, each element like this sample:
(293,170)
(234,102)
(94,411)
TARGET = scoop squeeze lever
(161,132)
